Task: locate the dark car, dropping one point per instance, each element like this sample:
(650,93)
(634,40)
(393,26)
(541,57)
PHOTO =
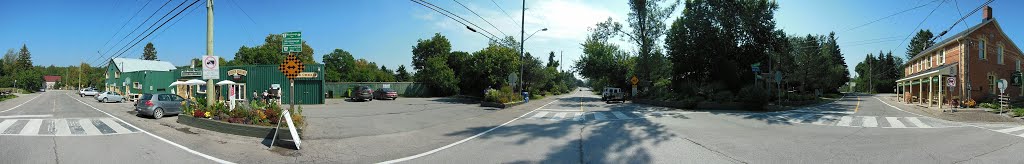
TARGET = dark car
(158,105)
(361,93)
(385,93)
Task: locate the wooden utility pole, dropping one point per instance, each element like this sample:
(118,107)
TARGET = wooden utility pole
(211,96)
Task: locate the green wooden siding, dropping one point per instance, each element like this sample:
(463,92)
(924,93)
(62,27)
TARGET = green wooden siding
(260,77)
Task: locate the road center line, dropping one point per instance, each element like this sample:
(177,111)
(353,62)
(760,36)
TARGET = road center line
(467,139)
(23,103)
(215,159)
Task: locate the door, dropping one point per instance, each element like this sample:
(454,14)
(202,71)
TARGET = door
(177,102)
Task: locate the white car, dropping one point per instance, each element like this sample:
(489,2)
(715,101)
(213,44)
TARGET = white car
(612,94)
(87,92)
(108,96)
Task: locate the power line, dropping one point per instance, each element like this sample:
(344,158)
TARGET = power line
(456,20)
(460,17)
(962,19)
(161,25)
(919,24)
(176,21)
(870,40)
(130,33)
(125,24)
(894,14)
(243,12)
(136,39)
(243,26)
(506,13)
(482,18)
(957,3)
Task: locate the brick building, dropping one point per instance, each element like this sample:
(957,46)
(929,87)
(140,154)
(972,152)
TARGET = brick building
(976,58)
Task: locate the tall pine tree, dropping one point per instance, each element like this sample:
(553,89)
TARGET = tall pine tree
(921,41)
(149,53)
(24,58)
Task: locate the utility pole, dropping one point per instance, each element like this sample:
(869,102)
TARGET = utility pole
(522,39)
(560,54)
(80,74)
(211,96)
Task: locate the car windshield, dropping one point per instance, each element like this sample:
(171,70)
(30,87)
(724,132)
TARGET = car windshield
(146,97)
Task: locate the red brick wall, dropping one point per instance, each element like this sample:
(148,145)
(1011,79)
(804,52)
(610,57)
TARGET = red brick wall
(981,68)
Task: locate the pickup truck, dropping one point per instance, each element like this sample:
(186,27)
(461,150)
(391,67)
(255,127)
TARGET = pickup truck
(612,94)
(87,92)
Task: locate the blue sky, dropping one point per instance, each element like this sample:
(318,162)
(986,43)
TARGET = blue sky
(65,32)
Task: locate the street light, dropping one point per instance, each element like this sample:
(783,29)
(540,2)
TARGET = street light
(535,32)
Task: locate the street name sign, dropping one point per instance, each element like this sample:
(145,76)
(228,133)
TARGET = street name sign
(292,42)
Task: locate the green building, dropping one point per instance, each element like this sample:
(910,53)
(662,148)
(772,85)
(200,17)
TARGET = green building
(133,77)
(257,78)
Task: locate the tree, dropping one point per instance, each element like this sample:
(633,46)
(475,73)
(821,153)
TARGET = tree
(437,46)
(603,63)
(9,62)
(647,21)
(441,79)
(339,65)
(708,46)
(401,74)
(551,60)
(24,58)
(149,52)
(269,53)
(919,43)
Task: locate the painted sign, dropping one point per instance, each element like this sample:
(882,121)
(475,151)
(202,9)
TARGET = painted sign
(291,128)
(211,67)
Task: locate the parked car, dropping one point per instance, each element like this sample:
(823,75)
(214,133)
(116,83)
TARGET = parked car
(109,96)
(158,105)
(361,93)
(385,93)
(612,94)
(88,92)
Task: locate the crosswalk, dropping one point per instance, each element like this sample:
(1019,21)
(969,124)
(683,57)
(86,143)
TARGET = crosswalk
(64,127)
(1016,130)
(860,121)
(584,116)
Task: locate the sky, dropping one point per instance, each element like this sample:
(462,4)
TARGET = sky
(67,32)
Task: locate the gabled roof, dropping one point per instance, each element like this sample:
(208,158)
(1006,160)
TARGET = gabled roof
(51,78)
(949,40)
(133,65)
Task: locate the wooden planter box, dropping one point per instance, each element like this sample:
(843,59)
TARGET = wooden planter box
(500,105)
(236,129)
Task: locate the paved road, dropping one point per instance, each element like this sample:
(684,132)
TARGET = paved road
(53,127)
(855,129)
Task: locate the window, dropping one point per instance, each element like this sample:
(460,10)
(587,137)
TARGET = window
(981,49)
(942,56)
(201,89)
(239,90)
(136,85)
(999,54)
(1018,65)
(992,84)
(117,75)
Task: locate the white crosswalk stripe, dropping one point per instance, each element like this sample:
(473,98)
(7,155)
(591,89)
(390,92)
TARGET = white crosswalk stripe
(620,115)
(559,116)
(539,115)
(894,122)
(917,122)
(63,127)
(845,121)
(578,116)
(32,128)
(598,116)
(801,118)
(869,121)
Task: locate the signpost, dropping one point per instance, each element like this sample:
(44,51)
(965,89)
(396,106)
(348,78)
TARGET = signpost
(292,68)
(1003,98)
(292,42)
(211,68)
(633,81)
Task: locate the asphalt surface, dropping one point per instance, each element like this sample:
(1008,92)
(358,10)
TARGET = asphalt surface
(571,128)
(872,132)
(53,127)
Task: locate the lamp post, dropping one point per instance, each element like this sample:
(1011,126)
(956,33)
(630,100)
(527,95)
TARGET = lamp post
(522,55)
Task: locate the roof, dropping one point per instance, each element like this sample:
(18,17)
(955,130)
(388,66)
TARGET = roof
(937,69)
(133,65)
(51,78)
(950,39)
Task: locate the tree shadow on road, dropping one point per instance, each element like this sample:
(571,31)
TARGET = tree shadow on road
(589,141)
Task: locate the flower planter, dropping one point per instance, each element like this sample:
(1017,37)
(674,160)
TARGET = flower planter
(500,105)
(236,129)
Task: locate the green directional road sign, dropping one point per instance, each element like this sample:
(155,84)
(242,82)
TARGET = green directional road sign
(292,42)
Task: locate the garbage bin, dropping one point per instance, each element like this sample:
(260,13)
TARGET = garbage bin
(526,96)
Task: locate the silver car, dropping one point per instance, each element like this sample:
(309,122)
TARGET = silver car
(159,104)
(108,96)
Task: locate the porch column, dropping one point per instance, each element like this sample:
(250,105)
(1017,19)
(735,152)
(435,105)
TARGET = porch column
(940,91)
(930,94)
(898,94)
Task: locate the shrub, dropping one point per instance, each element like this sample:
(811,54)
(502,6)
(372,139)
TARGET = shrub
(505,95)
(989,105)
(721,96)
(754,97)
(1018,112)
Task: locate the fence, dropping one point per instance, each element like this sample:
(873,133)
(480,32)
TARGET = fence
(404,89)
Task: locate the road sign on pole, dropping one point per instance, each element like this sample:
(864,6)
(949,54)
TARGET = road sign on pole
(951,81)
(211,67)
(634,80)
(292,42)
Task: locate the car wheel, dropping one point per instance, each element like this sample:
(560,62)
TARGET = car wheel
(122,100)
(104,100)
(158,113)
(396,98)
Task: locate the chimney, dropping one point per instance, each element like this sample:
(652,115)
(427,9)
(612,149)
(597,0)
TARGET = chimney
(988,13)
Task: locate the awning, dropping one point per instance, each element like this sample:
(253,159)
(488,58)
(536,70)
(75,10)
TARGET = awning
(948,70)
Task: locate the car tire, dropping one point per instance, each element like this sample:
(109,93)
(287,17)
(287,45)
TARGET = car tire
(158,113)
(104,100)
(396,98)
(122,100)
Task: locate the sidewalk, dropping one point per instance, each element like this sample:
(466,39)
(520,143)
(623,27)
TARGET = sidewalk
(967,115)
